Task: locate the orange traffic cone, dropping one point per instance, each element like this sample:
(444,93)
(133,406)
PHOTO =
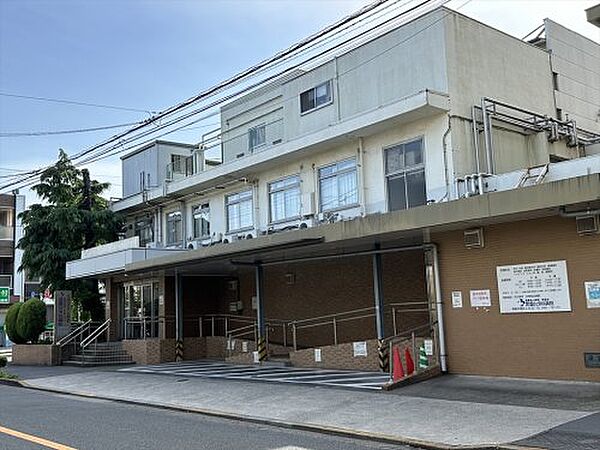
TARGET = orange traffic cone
(398,372)
(410,365)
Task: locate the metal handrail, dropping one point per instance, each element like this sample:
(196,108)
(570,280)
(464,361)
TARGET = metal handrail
(95,334)
(74,333)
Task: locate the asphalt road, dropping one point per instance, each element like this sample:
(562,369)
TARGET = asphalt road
(85,423)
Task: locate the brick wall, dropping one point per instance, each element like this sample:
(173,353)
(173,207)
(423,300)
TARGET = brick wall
(35,355)
(338,357)
(537,345)
(150,351)
(329,287)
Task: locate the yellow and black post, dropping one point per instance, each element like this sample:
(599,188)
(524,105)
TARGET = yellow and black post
(261,345)
(384,359)
(178,317)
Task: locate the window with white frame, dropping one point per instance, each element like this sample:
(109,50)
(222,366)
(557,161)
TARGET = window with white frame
(201,215)
(338,185)
(144,229)
(174,228)
(405,175)
(239,210)
(257,137)
(284,199)
(316,97)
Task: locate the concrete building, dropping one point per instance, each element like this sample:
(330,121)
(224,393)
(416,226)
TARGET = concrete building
(439,193)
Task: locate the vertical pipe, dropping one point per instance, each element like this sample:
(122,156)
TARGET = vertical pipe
(260,314)
(294,336)
(284,329)
(378,294)
(362,194)
(178,317)
(335,340)
(439,308)
(212,325)
(476,140)
(394,325)
(487,132)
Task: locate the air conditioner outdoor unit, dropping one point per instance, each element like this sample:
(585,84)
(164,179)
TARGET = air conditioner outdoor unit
(588,224)
(474,238)
(247,235)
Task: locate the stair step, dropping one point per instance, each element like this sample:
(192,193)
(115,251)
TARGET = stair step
(96,363)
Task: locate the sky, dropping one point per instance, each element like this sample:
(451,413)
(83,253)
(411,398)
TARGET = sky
(147,55)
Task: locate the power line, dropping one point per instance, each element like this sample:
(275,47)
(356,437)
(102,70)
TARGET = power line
(214,90)
(105,152)
(75,102)
(53,133)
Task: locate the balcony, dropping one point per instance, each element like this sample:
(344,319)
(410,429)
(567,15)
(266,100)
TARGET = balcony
(112,258)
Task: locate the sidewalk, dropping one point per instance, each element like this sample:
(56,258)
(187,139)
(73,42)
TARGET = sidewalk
(449,410)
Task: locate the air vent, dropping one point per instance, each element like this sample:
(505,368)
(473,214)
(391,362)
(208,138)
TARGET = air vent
(473,238)
(587,224)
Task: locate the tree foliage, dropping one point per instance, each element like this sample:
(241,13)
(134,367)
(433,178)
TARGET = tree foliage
(31,320)
(73,216)
(11,324)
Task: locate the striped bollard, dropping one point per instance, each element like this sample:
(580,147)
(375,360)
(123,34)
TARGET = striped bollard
(384,357)
(178,350)
(262,349)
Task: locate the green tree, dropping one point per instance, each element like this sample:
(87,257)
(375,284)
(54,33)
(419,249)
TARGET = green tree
(74,216)
(31,320)
(11,324)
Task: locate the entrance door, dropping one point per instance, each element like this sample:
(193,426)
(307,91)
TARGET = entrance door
(141,311)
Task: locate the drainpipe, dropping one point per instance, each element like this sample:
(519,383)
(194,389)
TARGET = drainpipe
(445,154)
(362,188)
(439,308)
(487,132)
(476,139)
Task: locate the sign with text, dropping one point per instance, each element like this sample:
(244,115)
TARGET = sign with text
(457,299)
(536,287)
(4,295)
(480,298)
(360,348)
(62,314)
(592,294)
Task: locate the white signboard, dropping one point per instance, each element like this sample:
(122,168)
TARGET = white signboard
(481,298)
(456,299)
(592,294)
(537,287)
(317,355)
(255,357)
(245,346)
(428,344)
(360,348)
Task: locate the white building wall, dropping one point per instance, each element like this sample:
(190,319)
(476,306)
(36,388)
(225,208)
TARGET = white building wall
(576,62)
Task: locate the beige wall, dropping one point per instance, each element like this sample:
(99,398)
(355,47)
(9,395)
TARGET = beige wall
(534,345)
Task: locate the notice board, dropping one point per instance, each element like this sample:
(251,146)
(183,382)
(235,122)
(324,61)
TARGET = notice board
(535,287)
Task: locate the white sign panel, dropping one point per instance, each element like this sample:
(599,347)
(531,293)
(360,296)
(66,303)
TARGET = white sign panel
(537,287)
(360,348)
(592,294)
(428,344)
(481,298)
(317,355)
(456,299)
(245,347)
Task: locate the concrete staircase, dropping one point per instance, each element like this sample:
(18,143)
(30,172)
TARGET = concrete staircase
(100,354)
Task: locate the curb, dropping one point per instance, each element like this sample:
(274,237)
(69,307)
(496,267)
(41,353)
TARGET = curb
(330,430)
(10,382)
